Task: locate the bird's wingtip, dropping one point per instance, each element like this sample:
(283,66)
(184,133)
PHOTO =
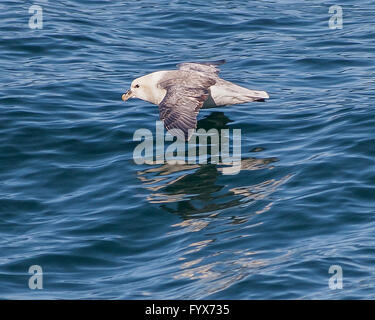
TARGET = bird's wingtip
(219,62)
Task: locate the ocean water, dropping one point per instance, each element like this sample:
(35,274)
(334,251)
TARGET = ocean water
(74,202)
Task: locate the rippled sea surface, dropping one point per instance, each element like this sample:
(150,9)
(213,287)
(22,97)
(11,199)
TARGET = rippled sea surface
(73,201)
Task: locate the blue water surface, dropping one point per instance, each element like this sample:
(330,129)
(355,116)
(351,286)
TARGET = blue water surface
(73,201)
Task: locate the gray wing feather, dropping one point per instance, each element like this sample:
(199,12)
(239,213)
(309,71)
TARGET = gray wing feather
(205,67)
(186,93)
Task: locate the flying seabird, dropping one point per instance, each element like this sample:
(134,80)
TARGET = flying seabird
(180,94)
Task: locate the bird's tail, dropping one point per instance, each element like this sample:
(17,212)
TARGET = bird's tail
(254,95)
(228,93)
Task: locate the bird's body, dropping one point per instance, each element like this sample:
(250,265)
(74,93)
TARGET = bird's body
(181,93)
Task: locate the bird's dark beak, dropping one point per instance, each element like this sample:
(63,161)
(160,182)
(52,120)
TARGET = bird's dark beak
(127,95)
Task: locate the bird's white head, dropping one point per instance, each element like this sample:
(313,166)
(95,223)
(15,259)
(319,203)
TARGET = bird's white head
(146,88)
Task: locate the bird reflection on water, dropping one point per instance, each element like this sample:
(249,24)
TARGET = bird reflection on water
(187,184)
(195,188)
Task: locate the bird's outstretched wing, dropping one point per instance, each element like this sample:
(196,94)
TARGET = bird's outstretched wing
(205,67)
(186,93)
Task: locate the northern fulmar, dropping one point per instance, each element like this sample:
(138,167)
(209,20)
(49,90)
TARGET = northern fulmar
(180,94)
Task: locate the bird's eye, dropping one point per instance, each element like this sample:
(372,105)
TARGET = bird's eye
(136,86)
